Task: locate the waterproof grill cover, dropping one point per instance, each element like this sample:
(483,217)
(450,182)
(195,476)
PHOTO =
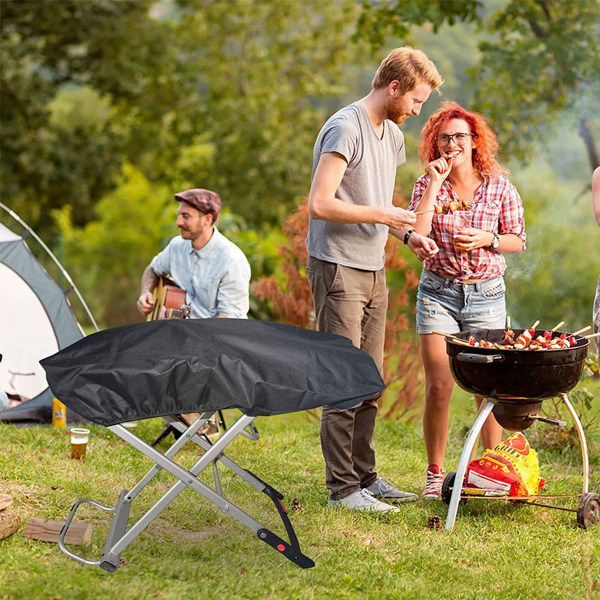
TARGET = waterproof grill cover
(180,366)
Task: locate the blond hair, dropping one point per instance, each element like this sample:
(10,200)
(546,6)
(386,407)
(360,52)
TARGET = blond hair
(409,67)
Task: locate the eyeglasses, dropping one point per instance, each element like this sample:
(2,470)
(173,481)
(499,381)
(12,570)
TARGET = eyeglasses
(459,138)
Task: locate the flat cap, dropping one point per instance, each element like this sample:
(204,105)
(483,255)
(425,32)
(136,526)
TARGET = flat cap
(205,201)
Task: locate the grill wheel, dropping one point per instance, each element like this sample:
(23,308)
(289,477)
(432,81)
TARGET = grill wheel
(588,512)
(448,486)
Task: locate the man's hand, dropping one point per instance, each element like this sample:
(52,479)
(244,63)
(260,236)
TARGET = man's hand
(422,246)
(145,303)
(397,218)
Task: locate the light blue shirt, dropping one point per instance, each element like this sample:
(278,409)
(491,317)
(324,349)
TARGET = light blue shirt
(216,278)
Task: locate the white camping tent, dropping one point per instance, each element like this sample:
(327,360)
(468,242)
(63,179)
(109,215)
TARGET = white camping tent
(35,321)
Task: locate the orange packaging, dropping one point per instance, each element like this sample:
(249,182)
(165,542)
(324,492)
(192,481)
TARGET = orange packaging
(512,466)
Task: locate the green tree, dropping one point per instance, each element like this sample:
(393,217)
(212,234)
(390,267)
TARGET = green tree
(117,55)
(541,59)
(554,279)
(226,95)
(262,69)
(379,19)
(108,255)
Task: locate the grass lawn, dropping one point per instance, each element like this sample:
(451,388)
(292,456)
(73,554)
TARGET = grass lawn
(193,550)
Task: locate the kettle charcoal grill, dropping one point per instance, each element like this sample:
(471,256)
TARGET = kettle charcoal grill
(514,383)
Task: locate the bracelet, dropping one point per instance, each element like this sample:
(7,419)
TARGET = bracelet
(407,235)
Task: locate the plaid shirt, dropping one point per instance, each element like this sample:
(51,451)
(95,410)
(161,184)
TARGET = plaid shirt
(497,208)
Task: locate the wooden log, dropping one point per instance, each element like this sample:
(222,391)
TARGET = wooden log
(47,530)
(5,501)
(9,523)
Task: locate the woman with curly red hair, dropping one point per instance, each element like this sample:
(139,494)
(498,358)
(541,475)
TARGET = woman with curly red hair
(475,215)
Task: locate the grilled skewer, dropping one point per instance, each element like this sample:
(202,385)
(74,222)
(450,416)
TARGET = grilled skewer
(454,338)
(580,331)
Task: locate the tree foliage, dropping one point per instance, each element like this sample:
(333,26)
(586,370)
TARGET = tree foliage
(50,156)
(261,67)
(544,60)
(193,94)
(554,279)
(108,255)
(107,103)
(539,60)
(396,17)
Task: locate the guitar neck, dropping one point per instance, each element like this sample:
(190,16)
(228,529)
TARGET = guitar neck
(176,313)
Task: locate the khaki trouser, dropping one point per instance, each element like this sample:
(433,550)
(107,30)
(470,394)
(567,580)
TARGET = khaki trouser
(352,303)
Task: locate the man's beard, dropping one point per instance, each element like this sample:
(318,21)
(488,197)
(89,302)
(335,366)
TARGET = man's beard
(185,233)
(395,112)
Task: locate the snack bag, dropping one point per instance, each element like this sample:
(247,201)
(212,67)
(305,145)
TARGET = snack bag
(512,466)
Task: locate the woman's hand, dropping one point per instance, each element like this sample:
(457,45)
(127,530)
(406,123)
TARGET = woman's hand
(439,169)
(469,238)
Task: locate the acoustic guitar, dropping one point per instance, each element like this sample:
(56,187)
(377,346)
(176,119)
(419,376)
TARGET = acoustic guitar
(169,302)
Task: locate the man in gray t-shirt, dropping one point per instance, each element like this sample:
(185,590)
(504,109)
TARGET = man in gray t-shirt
(350,215)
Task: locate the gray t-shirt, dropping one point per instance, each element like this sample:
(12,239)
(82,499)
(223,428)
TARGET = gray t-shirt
(369,181)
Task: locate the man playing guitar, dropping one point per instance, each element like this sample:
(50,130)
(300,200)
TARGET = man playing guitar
(212,270)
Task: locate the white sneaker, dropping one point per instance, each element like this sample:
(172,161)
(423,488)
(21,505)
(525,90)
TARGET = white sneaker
(363,500)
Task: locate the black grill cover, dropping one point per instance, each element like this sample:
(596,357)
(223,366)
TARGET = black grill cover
(180,366)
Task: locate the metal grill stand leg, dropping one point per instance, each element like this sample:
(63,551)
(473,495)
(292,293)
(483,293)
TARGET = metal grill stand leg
(465,458)
(582,441)
(188,477)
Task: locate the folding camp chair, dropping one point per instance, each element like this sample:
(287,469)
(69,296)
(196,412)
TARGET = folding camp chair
(166,368)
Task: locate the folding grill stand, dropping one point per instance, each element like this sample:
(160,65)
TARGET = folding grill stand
(473,436)
(119,537)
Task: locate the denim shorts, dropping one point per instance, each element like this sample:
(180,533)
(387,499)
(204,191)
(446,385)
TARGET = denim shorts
(450,307)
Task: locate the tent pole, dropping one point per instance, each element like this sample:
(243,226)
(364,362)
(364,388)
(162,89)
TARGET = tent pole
(15,216)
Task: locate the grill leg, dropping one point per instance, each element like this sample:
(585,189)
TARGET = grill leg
(582,441)
(465,458)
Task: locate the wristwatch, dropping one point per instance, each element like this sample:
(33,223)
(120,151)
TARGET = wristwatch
(407,235)
(495,242)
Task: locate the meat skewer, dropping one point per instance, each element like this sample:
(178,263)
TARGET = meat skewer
(525,340)
(582,330)
(454,338)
